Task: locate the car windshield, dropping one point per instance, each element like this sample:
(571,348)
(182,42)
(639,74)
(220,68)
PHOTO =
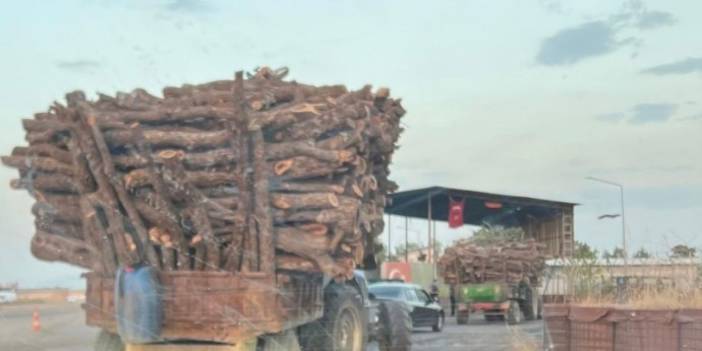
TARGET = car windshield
(388,292)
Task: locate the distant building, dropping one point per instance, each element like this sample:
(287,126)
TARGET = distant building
(563,276)
(8,286)
(43,295)
(416,255)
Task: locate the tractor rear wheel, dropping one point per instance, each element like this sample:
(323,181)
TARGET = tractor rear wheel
(343,326)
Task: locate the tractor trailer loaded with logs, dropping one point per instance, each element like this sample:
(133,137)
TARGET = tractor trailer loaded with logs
(246,205)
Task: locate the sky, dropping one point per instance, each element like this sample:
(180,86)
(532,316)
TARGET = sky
(516,97)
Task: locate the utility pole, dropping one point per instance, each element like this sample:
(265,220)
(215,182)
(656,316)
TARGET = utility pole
(389,250)
(621,202)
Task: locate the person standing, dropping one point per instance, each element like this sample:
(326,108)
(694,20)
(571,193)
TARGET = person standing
(452,299)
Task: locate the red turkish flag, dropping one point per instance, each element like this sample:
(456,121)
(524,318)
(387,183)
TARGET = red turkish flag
(455,213)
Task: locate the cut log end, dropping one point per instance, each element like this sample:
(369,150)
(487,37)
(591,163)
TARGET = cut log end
(171,154)
(317,229)
(281,167)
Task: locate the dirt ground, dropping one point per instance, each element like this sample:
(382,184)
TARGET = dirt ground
(63,329)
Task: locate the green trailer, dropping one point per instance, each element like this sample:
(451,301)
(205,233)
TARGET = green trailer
(497,301)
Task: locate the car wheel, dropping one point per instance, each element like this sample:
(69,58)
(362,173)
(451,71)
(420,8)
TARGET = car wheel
(108,342)
(395,327)
(439,324)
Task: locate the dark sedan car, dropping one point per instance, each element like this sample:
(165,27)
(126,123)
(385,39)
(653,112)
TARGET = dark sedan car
(424,310)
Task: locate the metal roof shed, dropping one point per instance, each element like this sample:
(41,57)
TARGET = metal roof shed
(549,222)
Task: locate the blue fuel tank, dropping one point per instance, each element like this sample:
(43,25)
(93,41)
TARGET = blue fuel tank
(138,305)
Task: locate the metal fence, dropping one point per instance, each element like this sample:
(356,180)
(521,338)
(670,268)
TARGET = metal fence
(580,328)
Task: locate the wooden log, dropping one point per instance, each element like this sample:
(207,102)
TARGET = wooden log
(163,114)
(298,240)
(44,150)
(295,263)
(198,216)
(220,191)
(34,125)
(239,256)
(341,140)
(47,182)
(180,243)
(38,164)
(47,136)
(157,217)
(261,210)
(309,246)
(83,176)
(50,247)
(329,216)
(305,187)
(66,214)
(303,167)
(278,151)
(305,201)
(145,249)
(105,204)
(140,177)
(164,138)
(226,156)
(336,120)
(99,238)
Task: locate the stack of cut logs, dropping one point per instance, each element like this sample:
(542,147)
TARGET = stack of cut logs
(253,175)
(508,261)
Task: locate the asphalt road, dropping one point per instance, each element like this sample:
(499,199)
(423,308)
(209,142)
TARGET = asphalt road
(63,329)
(479,335)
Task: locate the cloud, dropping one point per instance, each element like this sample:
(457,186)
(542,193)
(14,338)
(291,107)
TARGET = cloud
(642,113)
(78,65)
(189,6)
(572,45)
(652,113)
(688,65)
(553,6)
(654,19)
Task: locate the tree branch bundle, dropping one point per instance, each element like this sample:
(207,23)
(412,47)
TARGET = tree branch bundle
(508,261)
(256,175)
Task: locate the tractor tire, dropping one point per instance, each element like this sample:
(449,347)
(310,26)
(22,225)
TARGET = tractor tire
(439,326)
(530,304)
(343,325)
(462,318)
(395,327)
(108,342)
(514,313)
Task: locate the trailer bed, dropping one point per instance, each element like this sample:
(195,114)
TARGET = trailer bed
(219,306)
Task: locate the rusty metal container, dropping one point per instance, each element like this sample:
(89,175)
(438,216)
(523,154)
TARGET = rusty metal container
(644,330)
(690,329)
(557,335)
(589,329)
(219,306)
